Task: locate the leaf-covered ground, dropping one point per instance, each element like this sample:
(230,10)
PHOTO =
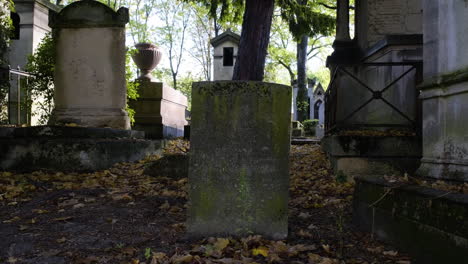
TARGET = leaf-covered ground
(122,215)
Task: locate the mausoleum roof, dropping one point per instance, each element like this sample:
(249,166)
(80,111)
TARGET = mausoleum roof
(228,35)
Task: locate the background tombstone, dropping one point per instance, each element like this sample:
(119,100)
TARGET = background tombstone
(239,159)
(225,50)
(90,66)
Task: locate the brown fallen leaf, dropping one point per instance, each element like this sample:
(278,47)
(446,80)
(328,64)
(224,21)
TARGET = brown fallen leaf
(390,253)
(61,240)
(181,259)
(65,218)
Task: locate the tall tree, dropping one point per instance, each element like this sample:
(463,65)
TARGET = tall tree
(201,31)
(256,27)
(305,21)
(253,44)
(173,32)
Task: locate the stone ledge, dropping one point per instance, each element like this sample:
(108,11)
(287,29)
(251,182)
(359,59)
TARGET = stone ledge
(367,146)
(430,224)
(72,148)
(68,132)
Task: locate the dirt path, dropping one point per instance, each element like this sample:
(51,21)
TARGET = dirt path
(122,215)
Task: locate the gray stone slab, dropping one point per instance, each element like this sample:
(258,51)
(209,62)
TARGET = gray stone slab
(71,148)
(429,224)
(239,159)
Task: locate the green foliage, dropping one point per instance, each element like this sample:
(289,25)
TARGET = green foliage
(132,87)
(147,253)
(5,28)
(305,19)
(5,31)
(185,86)
(224,11)
(309,126)
(302,105)
(41,88)
(322,75)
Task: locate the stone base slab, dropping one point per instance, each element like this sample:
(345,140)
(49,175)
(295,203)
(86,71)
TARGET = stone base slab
(366,155)
(112,118)
(72,148)
(429,224)
(444,169)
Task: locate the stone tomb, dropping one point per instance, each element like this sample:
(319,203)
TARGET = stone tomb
(90,94)
(239,159)
(159,110)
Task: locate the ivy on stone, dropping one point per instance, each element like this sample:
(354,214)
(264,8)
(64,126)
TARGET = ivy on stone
(6,29)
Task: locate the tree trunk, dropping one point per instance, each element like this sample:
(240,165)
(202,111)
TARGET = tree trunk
(250,62)
(302,98)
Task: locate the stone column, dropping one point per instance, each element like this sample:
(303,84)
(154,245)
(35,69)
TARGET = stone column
(342,21)
(239,164)
(90,87)
(444,92)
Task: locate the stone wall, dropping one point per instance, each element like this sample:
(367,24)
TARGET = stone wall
(444,92)
(377,18)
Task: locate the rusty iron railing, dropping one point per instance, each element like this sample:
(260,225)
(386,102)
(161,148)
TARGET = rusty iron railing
(19,80)
(332,124)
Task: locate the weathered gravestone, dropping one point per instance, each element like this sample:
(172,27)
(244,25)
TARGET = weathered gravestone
(239,164)
(90,65)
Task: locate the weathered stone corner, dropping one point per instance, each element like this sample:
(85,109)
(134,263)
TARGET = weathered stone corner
(88,13)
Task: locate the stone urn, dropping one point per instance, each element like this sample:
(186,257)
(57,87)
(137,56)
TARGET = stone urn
(146,59)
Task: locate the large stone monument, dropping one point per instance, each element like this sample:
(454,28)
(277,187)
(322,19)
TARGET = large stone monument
(90,92)
(90,65)
(444,92)
(373,115)
(239,159)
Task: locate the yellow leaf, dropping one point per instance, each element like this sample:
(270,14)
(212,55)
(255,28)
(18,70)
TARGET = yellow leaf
(183,259)
(39,211)
(260,251)
(16,218)
(326,248)
(61,240)
(71,124)
(221,243)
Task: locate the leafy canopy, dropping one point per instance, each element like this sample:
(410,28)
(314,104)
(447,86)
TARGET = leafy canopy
(302,19)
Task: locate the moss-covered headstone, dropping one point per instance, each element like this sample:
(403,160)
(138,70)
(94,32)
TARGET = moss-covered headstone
(239,164)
